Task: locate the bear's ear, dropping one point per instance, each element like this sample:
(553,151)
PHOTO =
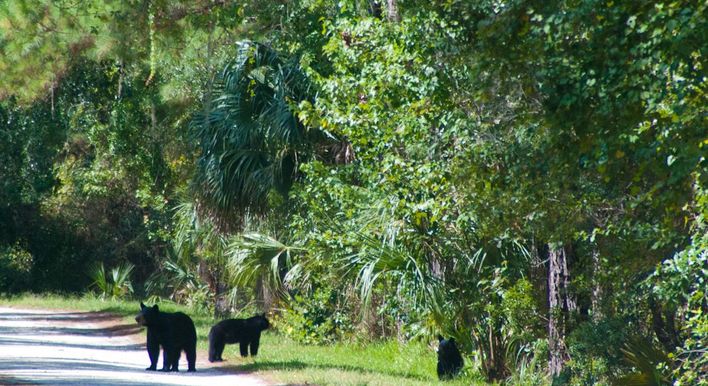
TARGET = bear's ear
(452,340)
(440,338)
(142,306)
(262,315)
(155,308)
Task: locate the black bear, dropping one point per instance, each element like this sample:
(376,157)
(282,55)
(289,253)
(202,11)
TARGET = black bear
(247,332)
(449,358)
(174,332)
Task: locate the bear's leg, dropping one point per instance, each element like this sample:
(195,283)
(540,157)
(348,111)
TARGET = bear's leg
(176,353)
(244,348)
(168,357)
(165,359)
(254,345)
(191,352)
(445,371)
(174,358)
(153,349)
(172,361)
(442,371)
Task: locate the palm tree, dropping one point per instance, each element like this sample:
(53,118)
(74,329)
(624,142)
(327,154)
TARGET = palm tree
(249,138)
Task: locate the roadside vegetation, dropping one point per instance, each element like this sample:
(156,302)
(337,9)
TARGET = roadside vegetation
(528,177)
(281,359)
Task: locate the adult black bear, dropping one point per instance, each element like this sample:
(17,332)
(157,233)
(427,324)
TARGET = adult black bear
(449,358)
(247,332)
(174,332)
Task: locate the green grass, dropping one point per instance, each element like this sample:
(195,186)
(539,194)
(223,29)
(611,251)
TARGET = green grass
(282,360)
(386,363)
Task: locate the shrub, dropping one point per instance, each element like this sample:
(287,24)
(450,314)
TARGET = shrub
(595,349)
(113,285)
(15,269)
(315,318)
(522,312)
(681,281)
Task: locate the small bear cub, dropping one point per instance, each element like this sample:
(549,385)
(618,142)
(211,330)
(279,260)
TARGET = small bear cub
(247,332)
(449,358)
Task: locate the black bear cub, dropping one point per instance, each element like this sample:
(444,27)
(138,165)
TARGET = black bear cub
(175,332)
(449,358)
(247,332)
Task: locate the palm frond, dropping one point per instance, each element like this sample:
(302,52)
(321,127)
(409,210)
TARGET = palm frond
(121,280)
(380,256)
(645,358)
(100,279)
(250,141)
(255,255)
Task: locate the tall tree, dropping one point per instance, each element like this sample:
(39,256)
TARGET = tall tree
(561,305)
(597,94)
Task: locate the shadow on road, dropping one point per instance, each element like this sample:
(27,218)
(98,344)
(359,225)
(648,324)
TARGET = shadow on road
(59,316)
(87,348)
(117,330)
(63,345)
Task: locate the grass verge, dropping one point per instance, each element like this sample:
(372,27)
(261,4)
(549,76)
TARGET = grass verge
(282,360)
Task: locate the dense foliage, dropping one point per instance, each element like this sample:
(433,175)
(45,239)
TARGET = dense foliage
(526,176)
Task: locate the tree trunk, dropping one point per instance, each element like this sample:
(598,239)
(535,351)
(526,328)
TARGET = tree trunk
(221,303)
(265,298)
(560,306)
(53,87)
(392,11)
(121,75)
(492,352)
(153,116)
(596,295)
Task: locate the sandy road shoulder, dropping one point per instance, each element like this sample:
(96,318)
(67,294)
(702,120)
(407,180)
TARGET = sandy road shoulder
(46,347)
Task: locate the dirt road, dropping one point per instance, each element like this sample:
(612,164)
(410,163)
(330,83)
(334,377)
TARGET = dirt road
(79,348)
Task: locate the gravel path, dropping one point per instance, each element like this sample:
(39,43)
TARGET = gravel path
(41,347)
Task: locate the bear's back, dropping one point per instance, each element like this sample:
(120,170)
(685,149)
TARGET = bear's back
(233,330)
(240,330)
(183,322)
